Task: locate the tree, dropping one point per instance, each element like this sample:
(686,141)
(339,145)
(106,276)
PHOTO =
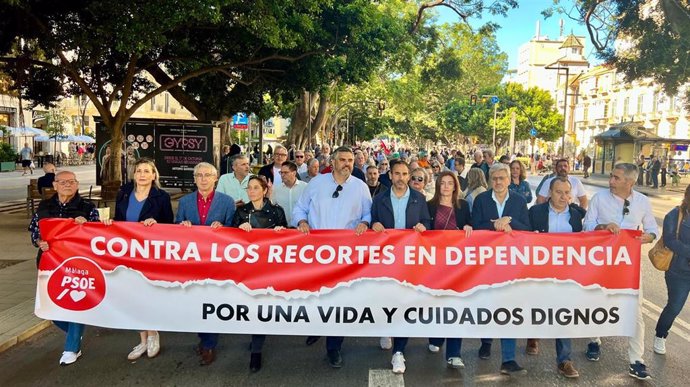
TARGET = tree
(533,107)
(113,51)
(640,38)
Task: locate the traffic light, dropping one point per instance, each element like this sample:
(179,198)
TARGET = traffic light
(473,100)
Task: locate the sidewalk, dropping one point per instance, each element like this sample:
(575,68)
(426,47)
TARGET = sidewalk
(17,283)
(666,193)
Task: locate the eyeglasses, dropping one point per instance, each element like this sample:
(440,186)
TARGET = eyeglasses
(281,154)
(204,175)
(299,157)
(336,193)
(417,178)
(65,183)
(435,166)
(626,204)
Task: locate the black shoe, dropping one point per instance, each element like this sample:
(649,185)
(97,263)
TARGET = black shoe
(485,351)
(639,371)
(334,359)
(255,362)
(312,339)
(512,368)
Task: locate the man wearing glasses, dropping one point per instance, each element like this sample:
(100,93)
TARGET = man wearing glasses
(621,207)
(66,203)
(335,200)
(208,208)
(272,171)
(301,162)
(287,193)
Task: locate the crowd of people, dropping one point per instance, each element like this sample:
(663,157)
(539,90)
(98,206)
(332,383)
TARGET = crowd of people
(366,189)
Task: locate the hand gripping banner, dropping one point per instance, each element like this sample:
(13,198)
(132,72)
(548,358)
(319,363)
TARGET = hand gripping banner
(332,282)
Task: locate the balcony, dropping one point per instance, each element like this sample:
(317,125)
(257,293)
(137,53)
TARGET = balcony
(601,122)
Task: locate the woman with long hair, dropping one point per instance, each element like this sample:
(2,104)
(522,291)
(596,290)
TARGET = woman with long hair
(142,200)
(677,238)
(449,212)
(518,182)
(258,213)
(476,184)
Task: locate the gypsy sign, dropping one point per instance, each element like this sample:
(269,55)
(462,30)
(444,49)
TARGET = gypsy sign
(331,282)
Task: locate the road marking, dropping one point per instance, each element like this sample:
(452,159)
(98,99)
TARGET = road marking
(652,311)
(385,378)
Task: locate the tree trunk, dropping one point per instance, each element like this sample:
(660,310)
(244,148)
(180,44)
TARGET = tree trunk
(319,123)
(299,124)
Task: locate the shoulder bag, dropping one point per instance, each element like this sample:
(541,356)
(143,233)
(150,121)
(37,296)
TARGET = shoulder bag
(660,255)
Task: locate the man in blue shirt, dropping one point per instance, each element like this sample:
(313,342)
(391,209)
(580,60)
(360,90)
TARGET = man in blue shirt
(335,200)
(402,208)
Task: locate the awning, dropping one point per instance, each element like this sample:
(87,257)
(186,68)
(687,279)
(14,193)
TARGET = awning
(628,132)
(24,132)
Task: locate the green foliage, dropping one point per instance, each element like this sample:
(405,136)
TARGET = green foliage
(531,107)
(55,121)
(7,152)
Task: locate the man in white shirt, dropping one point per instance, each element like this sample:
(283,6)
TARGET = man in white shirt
(578,190)
(234,184)
(287,193)
(621,207)
(335,200)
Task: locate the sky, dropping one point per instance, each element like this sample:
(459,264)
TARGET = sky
(520,26)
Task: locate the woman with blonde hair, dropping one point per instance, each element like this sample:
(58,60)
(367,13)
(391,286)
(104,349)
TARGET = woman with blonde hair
(476,184)
(142,200)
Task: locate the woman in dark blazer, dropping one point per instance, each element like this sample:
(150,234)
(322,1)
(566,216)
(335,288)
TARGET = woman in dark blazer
(142,200)
(449,212)
(258,213)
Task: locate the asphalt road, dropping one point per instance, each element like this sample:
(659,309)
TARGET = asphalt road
(288,362)
(13,184)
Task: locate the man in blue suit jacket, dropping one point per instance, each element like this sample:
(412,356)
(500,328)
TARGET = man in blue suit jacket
(210,208)
(558,215)
(498,210)
(401,208)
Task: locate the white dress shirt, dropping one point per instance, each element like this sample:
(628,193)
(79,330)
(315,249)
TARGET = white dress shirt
(577,189)
(605,208)
(287,197)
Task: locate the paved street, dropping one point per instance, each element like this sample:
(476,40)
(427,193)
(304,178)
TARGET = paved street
(288,362)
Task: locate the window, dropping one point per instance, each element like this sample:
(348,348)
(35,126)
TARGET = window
(655,102)
(585,113)
(640,103)
(606,109)
(5,119)
(613,108)
(167,102)
(626,106)
(153,103)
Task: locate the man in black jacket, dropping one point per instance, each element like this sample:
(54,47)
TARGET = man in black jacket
(272,170)
(558,215)
(66,203)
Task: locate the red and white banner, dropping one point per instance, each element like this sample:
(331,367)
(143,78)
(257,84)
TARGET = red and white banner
(331,282)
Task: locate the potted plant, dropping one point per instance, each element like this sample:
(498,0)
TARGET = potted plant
(8,157)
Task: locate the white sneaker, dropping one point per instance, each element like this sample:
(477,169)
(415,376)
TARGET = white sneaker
(69,357)
(153,345)
(137,352)
(660,345)
(433,348)
(386,343)
(398,363)
(455,362)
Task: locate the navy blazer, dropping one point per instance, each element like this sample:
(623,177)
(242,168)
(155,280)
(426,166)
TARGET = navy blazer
(484,211)
(156,206)
(539,217)
(222,209)
(462,214)
(416,211)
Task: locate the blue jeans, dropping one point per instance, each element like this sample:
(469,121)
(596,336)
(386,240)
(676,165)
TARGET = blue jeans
(453,345)
(74,332)
(399,344)
(508,349)
(563,349)
(208,340)
(678,287)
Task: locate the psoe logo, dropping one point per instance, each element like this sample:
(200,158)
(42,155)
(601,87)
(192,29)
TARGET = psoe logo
(177,142)
(77,284)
